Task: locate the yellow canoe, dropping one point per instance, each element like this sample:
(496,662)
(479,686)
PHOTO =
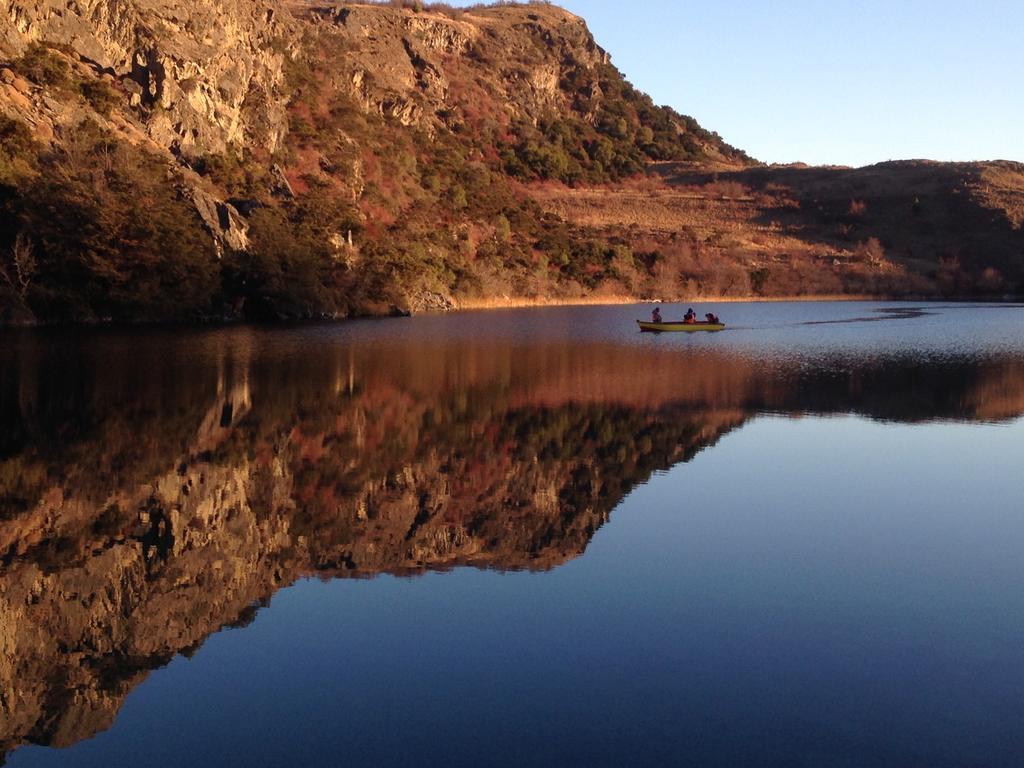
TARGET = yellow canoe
(679,326)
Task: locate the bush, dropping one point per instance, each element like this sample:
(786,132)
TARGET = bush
(502,229)
(292,269)
(758,279)
(43,66)
(281,276)
(17,151)
(113,238)
(100,95)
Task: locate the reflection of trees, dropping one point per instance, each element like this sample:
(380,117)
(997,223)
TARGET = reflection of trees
(148,499)
(908,390)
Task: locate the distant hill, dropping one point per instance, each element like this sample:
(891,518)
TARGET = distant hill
(287,160)
(893,229)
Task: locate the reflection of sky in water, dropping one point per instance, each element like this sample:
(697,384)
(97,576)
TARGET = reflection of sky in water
(807,591)
(772,331)
(811,328)
(816,591)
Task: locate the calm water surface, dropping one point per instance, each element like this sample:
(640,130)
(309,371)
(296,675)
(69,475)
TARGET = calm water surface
(518,538)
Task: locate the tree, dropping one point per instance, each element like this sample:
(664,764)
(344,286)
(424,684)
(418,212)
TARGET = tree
(24,262)
(459,200)
(871,251)
(112,238)
(502,228)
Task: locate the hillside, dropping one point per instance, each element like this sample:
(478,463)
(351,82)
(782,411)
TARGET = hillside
(899,228)
(275,160)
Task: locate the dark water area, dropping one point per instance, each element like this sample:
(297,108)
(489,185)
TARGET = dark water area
(530,537)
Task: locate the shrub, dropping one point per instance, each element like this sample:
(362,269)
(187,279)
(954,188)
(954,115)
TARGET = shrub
(502,229)
(100,95)
(17,151)
(758,279)
(281,275)
(43,66)
(458,198)
(113,238)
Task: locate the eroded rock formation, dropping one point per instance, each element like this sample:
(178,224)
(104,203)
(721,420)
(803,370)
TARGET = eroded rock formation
(208,73)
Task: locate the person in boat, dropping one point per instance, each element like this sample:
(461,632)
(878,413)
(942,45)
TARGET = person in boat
(712,318)
(656,315)
(690,317)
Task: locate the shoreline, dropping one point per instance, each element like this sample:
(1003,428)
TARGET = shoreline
(510,302)
(516,302)
(522,302)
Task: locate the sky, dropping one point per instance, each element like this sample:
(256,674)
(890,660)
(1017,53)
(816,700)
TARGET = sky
(830,82)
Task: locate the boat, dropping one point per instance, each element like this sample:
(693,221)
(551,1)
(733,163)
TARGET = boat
(679,325)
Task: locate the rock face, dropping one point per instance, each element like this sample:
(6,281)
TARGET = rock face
(207,77)
(200,80)
(420,158)
(208,73)
(221,218)
(396,62)
(191,78)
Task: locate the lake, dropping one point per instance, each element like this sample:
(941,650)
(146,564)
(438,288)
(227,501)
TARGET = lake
(524,537)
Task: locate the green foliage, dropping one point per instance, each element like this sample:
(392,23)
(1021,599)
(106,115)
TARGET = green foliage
(17,152)
(624,131)
(113,237)
(15,138)
(758,278)
(502,228)
(458,198)
(292,269)
(43,66)
(558,148)
(100,95)
(283,273)
(587,260)
(239,174)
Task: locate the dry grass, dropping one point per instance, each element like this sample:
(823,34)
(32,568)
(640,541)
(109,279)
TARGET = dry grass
(513,302)
(522,302)
(886,229)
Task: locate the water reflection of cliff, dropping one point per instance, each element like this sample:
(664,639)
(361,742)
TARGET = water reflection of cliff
(154,490)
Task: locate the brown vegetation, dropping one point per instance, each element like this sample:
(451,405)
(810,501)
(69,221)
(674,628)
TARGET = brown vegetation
(895,229)
(401,156)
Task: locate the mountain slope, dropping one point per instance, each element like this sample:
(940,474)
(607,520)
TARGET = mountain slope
(164,160)
(912,227)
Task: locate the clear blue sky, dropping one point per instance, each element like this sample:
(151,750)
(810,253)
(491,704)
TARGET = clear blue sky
(840,82)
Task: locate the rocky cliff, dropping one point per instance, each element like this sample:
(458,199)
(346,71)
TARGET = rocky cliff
(283,159)
(203,75)
(378,140)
